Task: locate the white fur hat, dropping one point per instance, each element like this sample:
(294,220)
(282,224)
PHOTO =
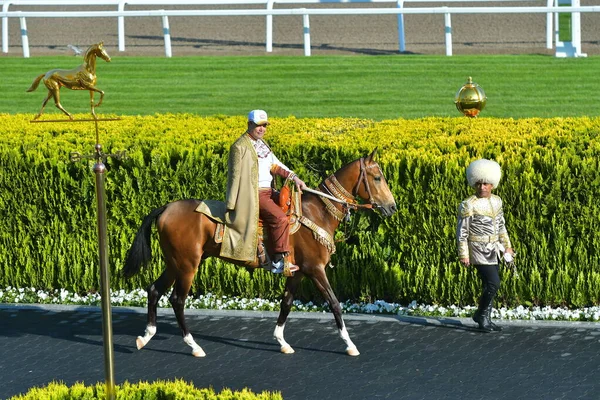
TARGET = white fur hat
(483,170)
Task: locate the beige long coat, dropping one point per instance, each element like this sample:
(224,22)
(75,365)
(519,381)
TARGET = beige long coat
(241,218)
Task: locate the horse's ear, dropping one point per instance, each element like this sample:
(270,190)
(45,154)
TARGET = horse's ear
(101,43)
(372,155)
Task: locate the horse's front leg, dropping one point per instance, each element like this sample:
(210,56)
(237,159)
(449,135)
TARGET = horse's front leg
(322,283)
(182,287)
(93,89)
(92,106)
(291,287)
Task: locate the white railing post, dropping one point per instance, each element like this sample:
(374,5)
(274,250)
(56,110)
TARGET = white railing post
(269,27)
(448,33)
(167,35)
(306,27)
(576,30)
(24,38)
(549,16)
(572,11)
(5,28)
(401,39)
(121,26)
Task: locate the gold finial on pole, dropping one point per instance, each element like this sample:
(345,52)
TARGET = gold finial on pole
(470,99)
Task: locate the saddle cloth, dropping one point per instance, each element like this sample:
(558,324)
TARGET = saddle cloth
(215,210)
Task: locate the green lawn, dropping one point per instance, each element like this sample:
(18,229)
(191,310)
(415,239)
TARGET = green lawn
(375,87)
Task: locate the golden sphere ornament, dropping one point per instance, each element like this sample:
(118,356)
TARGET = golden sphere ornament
(470,99)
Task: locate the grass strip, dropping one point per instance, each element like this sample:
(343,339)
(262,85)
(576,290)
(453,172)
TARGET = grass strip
(379,87)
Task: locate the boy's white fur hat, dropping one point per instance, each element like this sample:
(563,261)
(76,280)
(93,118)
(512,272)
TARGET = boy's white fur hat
(483,170)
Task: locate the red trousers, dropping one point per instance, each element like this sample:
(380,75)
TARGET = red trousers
(274,220)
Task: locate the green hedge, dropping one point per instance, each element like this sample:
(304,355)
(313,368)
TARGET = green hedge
(550,186)
(159,390)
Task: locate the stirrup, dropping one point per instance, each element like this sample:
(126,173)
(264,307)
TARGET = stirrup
(284,267)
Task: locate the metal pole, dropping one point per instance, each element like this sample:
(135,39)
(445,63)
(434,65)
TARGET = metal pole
(100,170)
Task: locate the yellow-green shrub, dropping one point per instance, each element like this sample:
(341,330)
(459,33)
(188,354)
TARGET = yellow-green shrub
(550,187)
(159,390)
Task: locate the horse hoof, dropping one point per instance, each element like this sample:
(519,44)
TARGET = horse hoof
(352,352)
(198,353)
(139,342)
(287,350)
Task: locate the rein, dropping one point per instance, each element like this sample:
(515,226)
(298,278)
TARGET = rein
(339,194)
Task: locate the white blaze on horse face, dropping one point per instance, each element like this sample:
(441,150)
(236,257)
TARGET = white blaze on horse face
(278,335)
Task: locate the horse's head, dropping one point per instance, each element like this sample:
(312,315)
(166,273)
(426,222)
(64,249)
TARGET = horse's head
(373,188)
(97,50)
(363,178)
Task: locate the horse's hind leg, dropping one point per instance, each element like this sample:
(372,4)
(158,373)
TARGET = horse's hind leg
(43,105)
(177,299)
(155,292)
(56,95)
(291,287)
(322,283)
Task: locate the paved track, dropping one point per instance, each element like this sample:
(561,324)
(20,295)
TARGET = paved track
(412,358)
(353,35)
(401,358)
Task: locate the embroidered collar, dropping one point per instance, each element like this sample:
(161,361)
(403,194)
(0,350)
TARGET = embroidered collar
(261,148)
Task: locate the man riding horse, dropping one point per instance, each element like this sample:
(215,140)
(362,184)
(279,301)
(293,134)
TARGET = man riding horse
(250,195)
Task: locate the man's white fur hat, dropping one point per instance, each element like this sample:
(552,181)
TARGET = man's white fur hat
(483,170)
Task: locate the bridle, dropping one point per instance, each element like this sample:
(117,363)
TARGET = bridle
(346,199)
(332,190)
(363,178)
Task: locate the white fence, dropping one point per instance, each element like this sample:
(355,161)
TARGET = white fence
(400,11)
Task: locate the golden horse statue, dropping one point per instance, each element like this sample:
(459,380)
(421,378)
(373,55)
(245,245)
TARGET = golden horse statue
(81,78)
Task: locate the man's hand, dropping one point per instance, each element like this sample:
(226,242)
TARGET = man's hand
(465,261)
(299,183)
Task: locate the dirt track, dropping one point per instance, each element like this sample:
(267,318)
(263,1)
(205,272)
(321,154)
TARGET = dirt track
(372,34)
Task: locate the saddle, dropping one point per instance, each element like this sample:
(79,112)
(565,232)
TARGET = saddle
(290,203)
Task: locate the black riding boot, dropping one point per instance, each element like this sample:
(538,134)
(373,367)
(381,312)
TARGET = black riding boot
(483,315)
(494,327)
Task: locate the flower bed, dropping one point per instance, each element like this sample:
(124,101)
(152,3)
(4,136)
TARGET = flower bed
(138,298)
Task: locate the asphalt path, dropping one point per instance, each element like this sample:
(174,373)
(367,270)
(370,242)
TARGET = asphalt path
(401,357)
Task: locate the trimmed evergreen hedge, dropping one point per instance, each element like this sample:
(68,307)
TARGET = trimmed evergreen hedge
(550,187)
(159,390)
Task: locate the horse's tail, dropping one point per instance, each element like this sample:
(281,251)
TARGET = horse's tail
(35,83)
(140,252)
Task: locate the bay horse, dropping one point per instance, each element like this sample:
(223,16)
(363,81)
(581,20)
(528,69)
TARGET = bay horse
(82,77)
(187,237)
